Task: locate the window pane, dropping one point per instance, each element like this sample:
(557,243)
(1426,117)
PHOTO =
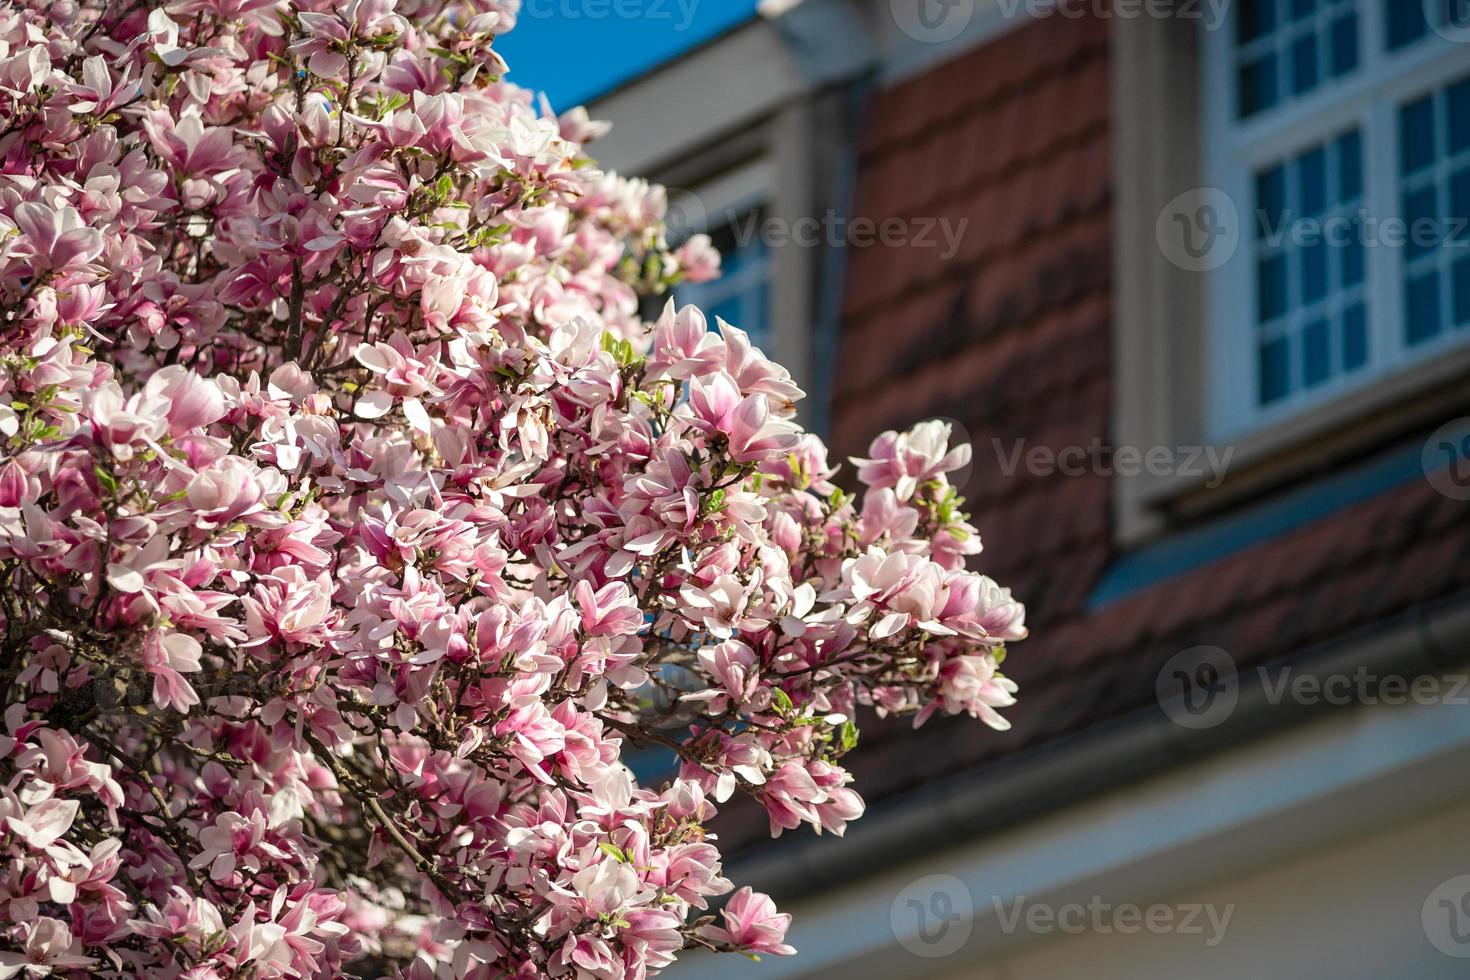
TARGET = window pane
(1352,255)
(1312,174)
(1434,139)
(1271,200)
(1344,45)
(1272,299)
(1422,308)
(1416,136)
(1304,64)
(1316,353)
(1459,208)
(1462,291)
(1275,370)
(1314,274)
(1459,109)
(739,295)
(1309,268)
(1405,21)
(1354,337)
(1257,85)
(1421,215)
(1288,48)
(1349,167)
(1257,18)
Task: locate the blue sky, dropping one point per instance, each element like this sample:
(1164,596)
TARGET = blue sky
(574,50)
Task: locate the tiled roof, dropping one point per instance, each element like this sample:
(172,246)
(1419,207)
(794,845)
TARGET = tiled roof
(1011,338)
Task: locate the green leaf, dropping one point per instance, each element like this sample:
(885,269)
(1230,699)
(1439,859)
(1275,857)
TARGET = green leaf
(783,701)
(613,851)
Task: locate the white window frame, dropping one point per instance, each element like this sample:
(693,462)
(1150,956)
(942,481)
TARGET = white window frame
(1235,149)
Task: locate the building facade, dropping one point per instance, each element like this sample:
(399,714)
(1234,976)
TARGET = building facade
(1194,279)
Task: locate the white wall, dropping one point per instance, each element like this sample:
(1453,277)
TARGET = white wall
(1350,912)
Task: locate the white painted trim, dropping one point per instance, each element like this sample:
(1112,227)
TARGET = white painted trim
(1355,770)
(734,82)
(714,203)
(1158,308)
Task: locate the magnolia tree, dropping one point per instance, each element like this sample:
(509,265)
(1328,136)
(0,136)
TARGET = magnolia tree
(354,528)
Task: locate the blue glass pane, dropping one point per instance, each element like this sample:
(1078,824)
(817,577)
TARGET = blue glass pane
(1422,308)
(1405,22)
(728,309)
(1271,200)
(1459,208)
(1301,9)
(1275,370)
(1352,255)
(1304,64)
(1349,167)
(1422,218)
(1354,337)
(1461,281)
(1314,273)
(1257,18)
(1316,353)
(1271,302)
(1311,172)
(1345,45)
(760,334)
(1258,85)
(1459,106)
(1416,136)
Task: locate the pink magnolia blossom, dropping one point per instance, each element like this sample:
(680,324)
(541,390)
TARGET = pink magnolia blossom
(753,925)
(356,528)
(48,948)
